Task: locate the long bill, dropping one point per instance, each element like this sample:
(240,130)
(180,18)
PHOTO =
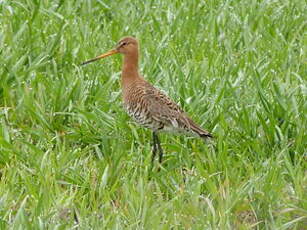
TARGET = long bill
(109,53)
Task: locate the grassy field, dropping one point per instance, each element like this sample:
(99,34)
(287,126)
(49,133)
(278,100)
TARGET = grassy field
(70,157)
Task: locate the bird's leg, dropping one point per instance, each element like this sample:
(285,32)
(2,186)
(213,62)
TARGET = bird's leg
(160,149)
(154,149)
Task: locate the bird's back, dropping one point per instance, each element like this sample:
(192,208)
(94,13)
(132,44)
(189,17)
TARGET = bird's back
(152,109)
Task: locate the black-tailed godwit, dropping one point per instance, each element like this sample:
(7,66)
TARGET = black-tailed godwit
(147,105)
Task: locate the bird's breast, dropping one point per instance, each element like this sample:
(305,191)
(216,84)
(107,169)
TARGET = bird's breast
(137,108)
(140,115)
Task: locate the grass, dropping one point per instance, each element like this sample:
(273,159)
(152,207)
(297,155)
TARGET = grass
(71,158)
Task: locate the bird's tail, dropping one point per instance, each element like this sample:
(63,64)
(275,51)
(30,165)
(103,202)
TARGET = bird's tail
(199,131)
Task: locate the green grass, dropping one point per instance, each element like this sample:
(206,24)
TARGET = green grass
(70,156)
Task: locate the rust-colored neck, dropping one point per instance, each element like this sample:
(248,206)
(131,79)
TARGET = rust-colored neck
(130,67)
(130,73)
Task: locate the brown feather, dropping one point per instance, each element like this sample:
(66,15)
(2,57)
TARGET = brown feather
(153,109)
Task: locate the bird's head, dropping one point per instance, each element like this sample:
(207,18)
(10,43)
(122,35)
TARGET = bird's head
(126,46)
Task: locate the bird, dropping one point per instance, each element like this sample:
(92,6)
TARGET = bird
(146,104)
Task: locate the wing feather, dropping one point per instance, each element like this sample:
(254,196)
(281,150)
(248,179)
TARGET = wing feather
(164,110)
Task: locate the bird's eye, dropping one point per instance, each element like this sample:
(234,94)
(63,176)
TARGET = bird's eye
(124,43)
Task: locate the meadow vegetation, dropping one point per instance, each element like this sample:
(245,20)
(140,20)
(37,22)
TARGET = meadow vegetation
(70,157)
